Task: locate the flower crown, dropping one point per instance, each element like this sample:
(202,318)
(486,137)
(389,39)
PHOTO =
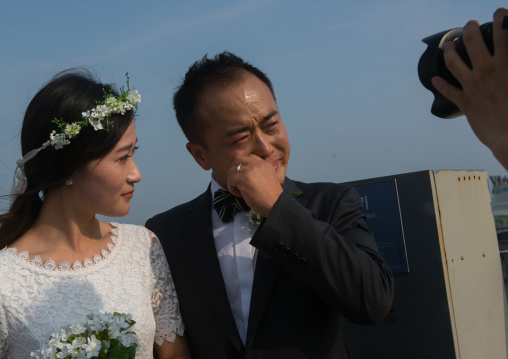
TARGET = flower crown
(97,117)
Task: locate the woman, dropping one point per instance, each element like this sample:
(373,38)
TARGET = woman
(60,263)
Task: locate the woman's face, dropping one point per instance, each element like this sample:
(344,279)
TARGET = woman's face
(106,186)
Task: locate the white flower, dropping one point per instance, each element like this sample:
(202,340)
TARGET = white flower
(95,324)
(111,101)
(78,342)
(87,345)
(78,328)
(133,96)
(253,217)
(93,347)
(96,123)
(71,130)
(96,116)
(58,140)
(121,321)
(65,350)
(128,340)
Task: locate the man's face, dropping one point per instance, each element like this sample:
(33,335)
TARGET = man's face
(240,119)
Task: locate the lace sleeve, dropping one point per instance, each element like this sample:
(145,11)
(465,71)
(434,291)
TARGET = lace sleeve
(3,332)
(164,299)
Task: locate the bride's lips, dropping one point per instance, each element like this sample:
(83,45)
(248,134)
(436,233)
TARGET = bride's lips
(128,195)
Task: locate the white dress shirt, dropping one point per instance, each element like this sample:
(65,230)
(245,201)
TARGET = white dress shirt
(237,259)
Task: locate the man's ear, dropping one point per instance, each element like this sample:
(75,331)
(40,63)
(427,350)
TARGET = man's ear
(199,153)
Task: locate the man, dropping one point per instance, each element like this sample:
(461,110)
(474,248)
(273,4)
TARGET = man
(483,96)
(280,285)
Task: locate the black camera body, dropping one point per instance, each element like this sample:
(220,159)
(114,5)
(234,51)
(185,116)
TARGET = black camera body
(432,64)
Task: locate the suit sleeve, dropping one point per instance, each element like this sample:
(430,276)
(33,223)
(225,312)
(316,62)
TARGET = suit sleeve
(329,248)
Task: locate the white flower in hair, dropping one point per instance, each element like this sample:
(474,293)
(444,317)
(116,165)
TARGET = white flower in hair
(111,102)
(98,117)
(96,123)
(58,140)
(133,96)
(71,130)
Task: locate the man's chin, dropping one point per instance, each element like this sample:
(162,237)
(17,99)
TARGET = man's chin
(281,175)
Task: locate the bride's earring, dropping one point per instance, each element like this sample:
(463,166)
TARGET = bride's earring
(68,182)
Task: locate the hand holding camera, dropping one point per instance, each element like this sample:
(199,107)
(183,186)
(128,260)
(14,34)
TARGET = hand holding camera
(470,69)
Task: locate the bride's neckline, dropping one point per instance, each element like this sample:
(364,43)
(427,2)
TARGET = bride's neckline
(66,266)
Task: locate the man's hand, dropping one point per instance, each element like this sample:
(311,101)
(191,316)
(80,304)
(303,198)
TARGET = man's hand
(256,181)
(484,94)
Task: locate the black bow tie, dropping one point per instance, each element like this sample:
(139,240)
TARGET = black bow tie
(226,204)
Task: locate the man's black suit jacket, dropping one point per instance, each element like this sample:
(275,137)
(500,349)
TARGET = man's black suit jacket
(317,264)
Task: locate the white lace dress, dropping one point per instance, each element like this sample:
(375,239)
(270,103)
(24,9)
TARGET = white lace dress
(36,298)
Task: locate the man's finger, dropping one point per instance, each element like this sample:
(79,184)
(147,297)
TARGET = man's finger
(449,91)
(500,33)
(475,44)
(454,63)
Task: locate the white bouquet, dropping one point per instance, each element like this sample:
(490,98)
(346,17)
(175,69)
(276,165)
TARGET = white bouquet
(101,336)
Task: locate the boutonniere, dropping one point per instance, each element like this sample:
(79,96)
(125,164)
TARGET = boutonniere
(256,219)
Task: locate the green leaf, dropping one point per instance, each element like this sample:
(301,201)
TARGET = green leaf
(102,351)
(121,352)
(131,351)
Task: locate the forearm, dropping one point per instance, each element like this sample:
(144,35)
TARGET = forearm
(483,95)
(173,350)
(340,263)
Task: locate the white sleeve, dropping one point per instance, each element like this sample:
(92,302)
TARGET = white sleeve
(3,332)
(165,306)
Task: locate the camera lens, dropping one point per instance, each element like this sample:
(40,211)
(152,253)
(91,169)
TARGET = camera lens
(486,30)
(432,64)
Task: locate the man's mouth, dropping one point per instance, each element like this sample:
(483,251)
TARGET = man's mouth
(275,165)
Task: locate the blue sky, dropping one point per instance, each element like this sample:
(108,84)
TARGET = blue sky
(344,72)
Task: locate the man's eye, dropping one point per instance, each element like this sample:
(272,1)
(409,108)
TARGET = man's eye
(241,139)
(271,125)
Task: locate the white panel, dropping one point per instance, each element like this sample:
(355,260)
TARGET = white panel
(471,255)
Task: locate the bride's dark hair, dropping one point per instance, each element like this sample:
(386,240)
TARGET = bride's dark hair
(65,96)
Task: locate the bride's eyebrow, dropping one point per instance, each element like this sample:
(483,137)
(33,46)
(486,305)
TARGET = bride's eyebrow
(127,147)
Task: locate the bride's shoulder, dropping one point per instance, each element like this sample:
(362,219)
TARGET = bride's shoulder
(133,231)
(27,241)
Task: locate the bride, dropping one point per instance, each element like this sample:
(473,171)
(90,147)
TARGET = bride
(59,262)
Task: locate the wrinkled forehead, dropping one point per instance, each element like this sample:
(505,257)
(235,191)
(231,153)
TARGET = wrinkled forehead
(224,102)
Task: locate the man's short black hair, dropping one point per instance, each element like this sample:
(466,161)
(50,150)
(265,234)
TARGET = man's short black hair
(221,70)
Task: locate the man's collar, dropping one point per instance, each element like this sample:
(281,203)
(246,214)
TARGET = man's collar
(214,186)
(289,186)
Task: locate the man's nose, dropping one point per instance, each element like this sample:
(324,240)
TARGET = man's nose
(262,146)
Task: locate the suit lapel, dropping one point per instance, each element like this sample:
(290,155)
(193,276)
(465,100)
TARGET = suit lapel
(265,276)
(207,265)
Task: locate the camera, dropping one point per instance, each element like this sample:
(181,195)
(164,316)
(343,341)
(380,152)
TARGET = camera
(432,64)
